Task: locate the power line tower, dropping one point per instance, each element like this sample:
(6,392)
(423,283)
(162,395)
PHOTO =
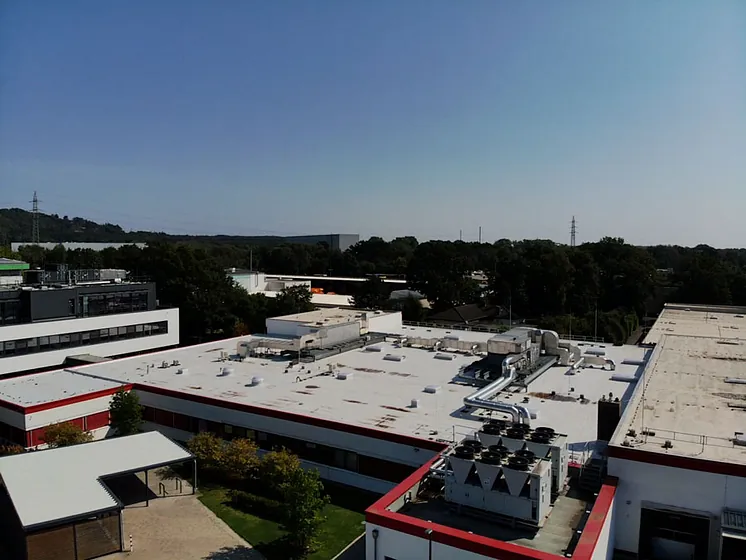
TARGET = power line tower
(35,219)
(573,231)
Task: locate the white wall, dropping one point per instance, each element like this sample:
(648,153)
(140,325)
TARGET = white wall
(373,447)
(11,280)
(39,360)
(604,549)
(63,413)
(407,547)
(12,418)
(656,485)
(388,323)
(283,328)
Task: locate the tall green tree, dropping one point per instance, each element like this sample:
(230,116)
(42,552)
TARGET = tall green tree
(294,299)
(125,413)
(304,499)
(371,294)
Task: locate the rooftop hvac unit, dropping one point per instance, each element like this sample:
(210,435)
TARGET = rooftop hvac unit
(344,375)
(393,357)
(494,479)
(242,349)
(544,442)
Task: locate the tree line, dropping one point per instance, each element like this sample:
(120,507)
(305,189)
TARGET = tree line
(605,287)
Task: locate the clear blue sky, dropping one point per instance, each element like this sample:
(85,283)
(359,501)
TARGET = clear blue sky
(384,117)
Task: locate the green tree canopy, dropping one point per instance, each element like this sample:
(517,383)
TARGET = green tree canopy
(65,434)
(125,413)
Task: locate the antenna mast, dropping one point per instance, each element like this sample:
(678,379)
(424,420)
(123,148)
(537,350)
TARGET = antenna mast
(573,231)
(35,219)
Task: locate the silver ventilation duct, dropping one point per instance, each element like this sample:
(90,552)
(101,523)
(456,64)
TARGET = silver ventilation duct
(481,399)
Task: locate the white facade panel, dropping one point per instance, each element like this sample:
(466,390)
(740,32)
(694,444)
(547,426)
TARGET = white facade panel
(69,412)
(11,280)
(53,358)
(372,447)
(284,328)
(604,549)
(386,323)
(648,485)
(407,547)
(12,418)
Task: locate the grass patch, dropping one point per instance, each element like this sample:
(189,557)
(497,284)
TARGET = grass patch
(344,522)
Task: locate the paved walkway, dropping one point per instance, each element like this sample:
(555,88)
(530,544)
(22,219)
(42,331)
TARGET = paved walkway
(181,528)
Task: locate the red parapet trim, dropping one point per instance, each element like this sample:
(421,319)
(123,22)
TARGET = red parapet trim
(11,406)
(677,461)
(75,399)
(595,524)
(401,439)
(378,514)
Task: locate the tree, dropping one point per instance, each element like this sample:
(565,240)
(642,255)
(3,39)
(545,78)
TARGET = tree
(276,467)
(208,449)
(238,459)
(304,499)
(125,413)
(294,299)
(371,294)
(65,434)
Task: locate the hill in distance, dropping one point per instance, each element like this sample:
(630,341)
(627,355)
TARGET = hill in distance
(16,226)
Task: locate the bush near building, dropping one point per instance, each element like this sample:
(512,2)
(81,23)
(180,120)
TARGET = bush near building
(125,413)
(64,434)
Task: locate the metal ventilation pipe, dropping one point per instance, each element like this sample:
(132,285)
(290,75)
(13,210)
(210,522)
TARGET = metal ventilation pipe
(481,399)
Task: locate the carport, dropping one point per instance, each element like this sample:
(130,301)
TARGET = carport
(61,507)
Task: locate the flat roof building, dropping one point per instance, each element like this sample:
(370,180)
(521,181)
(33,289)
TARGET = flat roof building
(61,504)
(44,326)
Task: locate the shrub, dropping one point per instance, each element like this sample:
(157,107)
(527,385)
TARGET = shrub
(64,434)
(260,506)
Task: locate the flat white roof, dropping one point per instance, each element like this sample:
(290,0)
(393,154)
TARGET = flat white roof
(46,387)
(379,392)
(65,483)
(695,390)
(330,315)
(331,300)
(331,278)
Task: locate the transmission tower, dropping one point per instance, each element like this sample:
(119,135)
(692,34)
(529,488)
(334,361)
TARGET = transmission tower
(573,231)
(35,219)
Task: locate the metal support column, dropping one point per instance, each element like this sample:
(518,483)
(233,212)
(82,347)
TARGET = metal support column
(147,490)
(194,476)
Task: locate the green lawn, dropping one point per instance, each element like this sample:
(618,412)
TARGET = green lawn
(344,522)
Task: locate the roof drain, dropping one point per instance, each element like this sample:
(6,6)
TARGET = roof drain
(481,399)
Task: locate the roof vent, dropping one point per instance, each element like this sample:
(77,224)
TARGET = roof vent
(432,389)
(393,357)
(182,371)
(444,356)
(344,375)
(415,403)
(256,380)
(373,348)
(226,371)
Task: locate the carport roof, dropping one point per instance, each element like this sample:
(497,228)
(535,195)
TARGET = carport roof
(57,485)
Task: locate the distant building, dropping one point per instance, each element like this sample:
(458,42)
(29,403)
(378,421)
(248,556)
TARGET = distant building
(259,283)
(11,272)
(341,241)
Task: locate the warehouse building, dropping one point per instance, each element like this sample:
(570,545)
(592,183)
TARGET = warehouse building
(57,504)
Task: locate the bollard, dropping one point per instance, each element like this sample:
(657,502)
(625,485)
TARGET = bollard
(132,547)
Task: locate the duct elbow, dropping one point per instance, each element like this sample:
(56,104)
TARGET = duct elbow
(610,363)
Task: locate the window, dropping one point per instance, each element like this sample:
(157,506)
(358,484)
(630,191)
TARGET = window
(84,338)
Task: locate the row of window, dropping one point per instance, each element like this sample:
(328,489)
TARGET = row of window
(36,344)
(35,437)
(94,305)
(317,453)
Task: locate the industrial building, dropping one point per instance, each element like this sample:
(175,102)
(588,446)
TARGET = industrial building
(271,285)
(62,503)
(11,272)
(46,324)
(339,241)
(482,445)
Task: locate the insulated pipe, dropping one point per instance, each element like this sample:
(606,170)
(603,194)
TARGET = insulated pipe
(439,468)
(481,399)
